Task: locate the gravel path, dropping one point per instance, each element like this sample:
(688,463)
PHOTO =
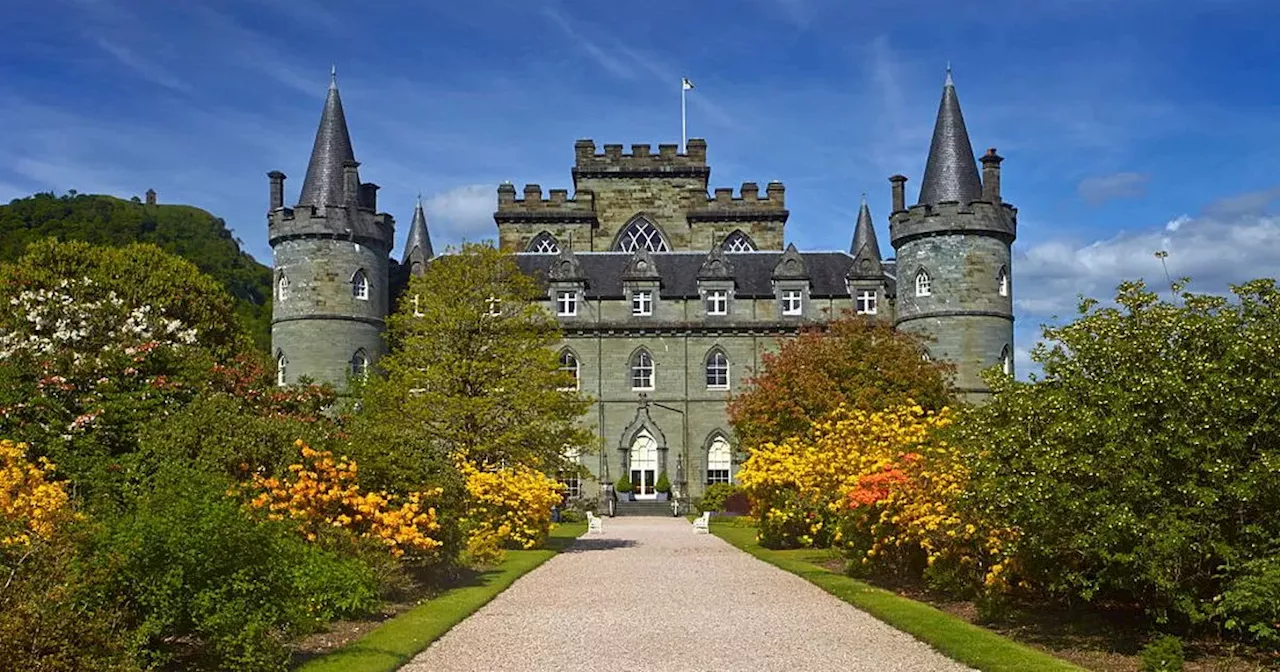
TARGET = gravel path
(648,594)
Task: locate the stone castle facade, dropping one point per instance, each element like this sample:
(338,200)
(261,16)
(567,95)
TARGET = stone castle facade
(668,294)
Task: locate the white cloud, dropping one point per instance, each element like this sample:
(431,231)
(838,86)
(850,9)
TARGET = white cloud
(463,213)
(1101,188)
(1213,250)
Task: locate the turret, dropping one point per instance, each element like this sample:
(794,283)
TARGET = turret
(417,247)
(330,262)
(953,254)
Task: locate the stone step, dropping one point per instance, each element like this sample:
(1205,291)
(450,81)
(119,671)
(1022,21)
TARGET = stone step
(643,508)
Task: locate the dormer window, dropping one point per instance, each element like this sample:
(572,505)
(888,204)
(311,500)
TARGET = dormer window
(865,303)
(717,301)
(567,303)
(360,285)
(792,302)
(1003,281)
(924,286)
(641,303)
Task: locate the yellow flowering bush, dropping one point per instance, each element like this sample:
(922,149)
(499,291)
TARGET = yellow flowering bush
(29,502)
(507,507)
(326,494)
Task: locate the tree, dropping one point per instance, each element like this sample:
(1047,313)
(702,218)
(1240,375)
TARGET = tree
(472,369)
(1142,466)
(861,363)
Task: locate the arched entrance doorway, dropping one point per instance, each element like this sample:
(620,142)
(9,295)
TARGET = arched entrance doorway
(644,465)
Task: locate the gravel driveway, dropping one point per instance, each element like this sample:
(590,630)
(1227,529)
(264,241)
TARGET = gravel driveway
(648,594)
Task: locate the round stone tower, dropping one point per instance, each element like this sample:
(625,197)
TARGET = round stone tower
(953,254)
(331,263)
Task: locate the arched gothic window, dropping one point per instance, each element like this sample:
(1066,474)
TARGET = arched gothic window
(719,461)
(717,370)
(282,365)
(738,242)
(641,233)
(360,285)
(359,364)
(1003,281)
(642,370)
(924,285)
(282,287)
(544,243)
(569,365)
(1006,361)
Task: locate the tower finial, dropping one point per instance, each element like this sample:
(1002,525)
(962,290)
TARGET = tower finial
(331,152)
(333,76)
(950,174)
(949,82)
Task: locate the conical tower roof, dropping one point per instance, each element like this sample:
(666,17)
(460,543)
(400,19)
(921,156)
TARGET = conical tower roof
(864,233)
(331,151)
(951,173)
(417,247)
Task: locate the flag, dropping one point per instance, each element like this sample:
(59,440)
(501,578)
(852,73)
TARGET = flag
(685,84)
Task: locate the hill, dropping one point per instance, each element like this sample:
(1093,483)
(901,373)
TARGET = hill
(184,230)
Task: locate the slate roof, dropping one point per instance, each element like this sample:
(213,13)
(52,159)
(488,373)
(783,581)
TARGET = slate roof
(330,153)
(752,272)
(419,238)
(951,174)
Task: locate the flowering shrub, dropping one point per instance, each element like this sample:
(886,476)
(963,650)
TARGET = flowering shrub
(29,503)
(327,495)
(507,507)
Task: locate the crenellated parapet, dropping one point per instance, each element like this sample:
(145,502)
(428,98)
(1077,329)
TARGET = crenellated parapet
(998,220)
(641,161)
(748,205)
(334,222)
(532,207)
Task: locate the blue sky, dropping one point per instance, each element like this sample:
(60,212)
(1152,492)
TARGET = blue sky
(1127,125)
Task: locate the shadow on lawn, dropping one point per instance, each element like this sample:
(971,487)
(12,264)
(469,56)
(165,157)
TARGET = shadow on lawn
(584,543)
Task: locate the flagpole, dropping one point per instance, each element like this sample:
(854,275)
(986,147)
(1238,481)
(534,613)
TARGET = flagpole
(683,125)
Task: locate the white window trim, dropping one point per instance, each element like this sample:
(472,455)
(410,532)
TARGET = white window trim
(924,284)
(718,296)
(577,371)
(282,368)
(871,299)
(493,310)
(360,285)
(707,371)
(725,465)
(282,287)
(653,373)
(363,360)
(1004,281)
(567,303)
(642,303)
(790,295)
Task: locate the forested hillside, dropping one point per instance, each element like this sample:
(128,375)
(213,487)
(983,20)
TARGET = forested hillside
(184,230)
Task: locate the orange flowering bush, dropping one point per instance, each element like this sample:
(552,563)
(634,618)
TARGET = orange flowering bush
(326,494)
(29,503)
(507,507)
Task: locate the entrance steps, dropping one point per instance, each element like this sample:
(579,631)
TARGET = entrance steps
(643,508)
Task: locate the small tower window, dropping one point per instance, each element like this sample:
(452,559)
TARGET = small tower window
(282,287)
(569,366)
(360,285)
(866,302)
(641,233)
(1003,281)
(642,371)
(544,243)
(1006,361)
(717,371)
(359,364)
(282,366)
(738,242)
(924,285)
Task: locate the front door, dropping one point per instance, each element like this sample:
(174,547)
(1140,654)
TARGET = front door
(644,465)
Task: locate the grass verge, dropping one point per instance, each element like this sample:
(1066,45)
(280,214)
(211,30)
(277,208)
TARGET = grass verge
(393,643)
(953,637)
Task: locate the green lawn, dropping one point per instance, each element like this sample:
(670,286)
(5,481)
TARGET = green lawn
(955,638)
(393,643)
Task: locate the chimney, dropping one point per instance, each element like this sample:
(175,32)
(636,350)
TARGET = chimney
(350,182)
(991,176)
(151,197)
(277,189)
(899,183)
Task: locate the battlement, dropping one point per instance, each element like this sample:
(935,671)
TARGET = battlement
(749,203)
(333,222)
(977,217)
(641,161)
(557,206)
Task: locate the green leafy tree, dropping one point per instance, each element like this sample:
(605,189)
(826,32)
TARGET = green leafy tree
(473,369)
(853,361)
(1142,466)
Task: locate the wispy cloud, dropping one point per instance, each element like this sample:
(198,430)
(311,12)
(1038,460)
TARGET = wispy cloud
(1098,189)
(146,68)
(462,214)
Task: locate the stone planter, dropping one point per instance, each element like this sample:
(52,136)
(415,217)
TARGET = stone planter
(663,496)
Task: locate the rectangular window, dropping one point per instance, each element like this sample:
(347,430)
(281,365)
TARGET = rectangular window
(642,303)
(717,476)
(717,302)
(866,302)
(792,302)
(573,487)
(566,304)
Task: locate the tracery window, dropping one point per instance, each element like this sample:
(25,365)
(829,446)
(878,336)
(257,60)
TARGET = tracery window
(642,233)
(544,243)
(924,285)
(738,242)
(719,462)
(642,370)
(569,365)
(360,285)
(717,371)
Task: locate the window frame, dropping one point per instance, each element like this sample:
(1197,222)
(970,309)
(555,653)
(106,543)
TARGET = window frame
(788,297)
(567,302)
(719,369)
(282,369)
(924,283)
(282,287)
(871,299)
(1002,281)
(544,243)
(642,368)
(641,227)
(575,369)
(720,296)
(642,303)
(362,358)
(360,285)
(719,471)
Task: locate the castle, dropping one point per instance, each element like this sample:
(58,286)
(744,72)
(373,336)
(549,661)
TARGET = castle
(667,295)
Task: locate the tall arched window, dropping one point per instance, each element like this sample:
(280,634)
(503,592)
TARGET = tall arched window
(717,370)
(544,243)
(282,366)
(569,366)
(641,233)
(282,287)
(719,461)
(738,242)
(924,285)
(642,370)
(359,364)
(360,285)
(1002,280)
(1006,361)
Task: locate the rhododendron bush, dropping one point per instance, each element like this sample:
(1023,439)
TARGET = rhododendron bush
(507,507)
(31,505)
